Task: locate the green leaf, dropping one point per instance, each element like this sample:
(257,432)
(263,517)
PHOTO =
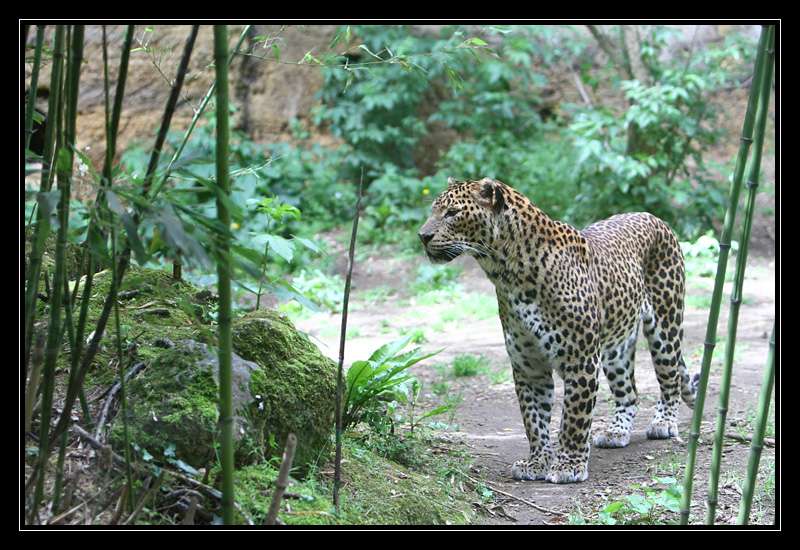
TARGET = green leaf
(473,42)
(639,504)
(98,246)
(277,244)
(311,245)
(614,507)
(130,227)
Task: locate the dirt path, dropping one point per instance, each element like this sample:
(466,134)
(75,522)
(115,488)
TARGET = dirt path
(488,419)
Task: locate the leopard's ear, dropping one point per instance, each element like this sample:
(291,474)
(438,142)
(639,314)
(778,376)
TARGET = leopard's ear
(491,195)
(451,181)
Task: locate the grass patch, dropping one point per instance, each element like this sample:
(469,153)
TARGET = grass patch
(414,487)
(470,365)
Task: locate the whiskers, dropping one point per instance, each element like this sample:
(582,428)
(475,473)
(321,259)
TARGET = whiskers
(452,249)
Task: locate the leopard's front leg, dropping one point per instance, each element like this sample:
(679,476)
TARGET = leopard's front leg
(535,391)
(571,461)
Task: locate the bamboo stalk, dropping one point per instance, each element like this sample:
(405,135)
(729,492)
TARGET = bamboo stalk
(53,345)
(172,101)
(112,126)
(122,396)
(198,113)
(758,435)
(741,265)
(59,482)
(283,480)
(716,296)
(123,262)
(37,58)
(33,383)
(223,273)
(42,229)
(337,477)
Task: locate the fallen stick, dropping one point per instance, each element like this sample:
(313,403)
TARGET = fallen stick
(112,393)
(283,480)
(768,441)
(514,497)
(62,516)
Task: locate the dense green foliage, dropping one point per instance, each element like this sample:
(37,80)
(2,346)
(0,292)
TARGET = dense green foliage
(411,108)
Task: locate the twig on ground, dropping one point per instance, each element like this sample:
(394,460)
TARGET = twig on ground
(112,393)
(120,506)
(66,514)
(144,498)
(509,495)
(581,89)
(283,480)
(188,518)
(768,441)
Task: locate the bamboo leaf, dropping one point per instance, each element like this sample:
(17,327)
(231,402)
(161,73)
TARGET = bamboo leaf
(130,227)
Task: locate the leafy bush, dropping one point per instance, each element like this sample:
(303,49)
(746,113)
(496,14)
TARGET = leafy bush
(702,255)
(383,378)
(651,156)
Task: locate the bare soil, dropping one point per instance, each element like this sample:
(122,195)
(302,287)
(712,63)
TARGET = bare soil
(488,420)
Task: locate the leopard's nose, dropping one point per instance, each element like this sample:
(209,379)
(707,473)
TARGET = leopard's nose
(425,237)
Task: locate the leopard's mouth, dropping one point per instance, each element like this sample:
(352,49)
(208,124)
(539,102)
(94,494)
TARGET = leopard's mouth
(442,255)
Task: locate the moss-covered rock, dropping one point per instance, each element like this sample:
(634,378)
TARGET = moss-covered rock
(173,404)
(376,491)
(296,383)
(282,383)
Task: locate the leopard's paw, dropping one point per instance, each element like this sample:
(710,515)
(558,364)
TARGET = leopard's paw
(611,439)
(568,471)
(662,429)
(526,470)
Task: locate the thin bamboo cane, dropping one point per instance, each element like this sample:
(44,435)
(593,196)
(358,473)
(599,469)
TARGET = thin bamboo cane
(64,168)
(37,58)
(198,113)
(758,434)
(172,101)
(112,127)
(223,274)
(122,394)
(42,229)
(716,296)
(124,257)
(736,293)
(342,338)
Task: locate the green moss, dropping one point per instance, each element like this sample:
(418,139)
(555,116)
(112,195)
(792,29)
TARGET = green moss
(153,306)
(283,383)
(375,491)
(173,402)
(297,383)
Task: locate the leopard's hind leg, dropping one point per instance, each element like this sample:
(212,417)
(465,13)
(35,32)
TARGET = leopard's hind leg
(662,327)
(618,365)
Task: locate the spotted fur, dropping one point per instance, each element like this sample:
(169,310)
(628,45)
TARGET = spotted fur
(571,302)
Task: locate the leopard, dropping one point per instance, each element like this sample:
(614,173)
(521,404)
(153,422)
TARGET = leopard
(571,303)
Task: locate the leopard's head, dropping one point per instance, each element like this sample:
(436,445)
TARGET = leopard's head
(464,219)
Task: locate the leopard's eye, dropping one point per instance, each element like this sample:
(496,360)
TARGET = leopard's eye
(450,213)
